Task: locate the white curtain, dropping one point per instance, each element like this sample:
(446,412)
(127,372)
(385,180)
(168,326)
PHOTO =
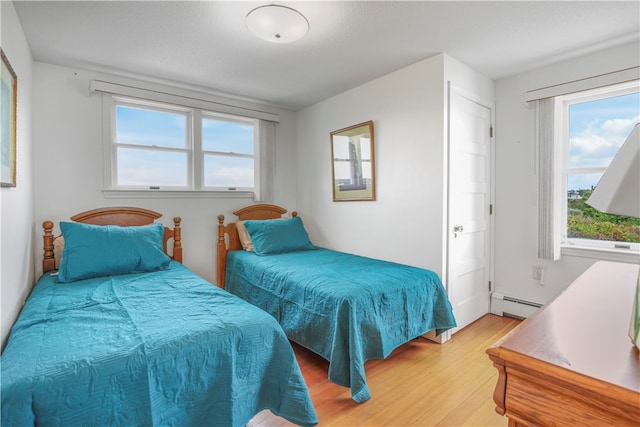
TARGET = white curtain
(267,161)
(548,181)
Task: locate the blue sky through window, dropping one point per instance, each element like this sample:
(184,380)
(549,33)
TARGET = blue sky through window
(597,130)
(227,137)
(148,127)
(159,148)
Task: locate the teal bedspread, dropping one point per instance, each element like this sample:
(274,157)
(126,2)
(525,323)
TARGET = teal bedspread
(344,307)
(162,348)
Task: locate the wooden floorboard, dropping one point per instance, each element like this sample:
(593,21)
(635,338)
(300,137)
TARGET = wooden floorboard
(422,383)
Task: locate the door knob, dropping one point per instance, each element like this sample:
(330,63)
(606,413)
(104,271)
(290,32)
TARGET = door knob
(457,229)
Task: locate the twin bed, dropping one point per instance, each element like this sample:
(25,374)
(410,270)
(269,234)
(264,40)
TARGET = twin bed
(118,332)
(123,334)
(346,308)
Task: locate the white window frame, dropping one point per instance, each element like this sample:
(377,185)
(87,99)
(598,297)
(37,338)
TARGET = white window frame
(588,248)
(195,154)
(151,106)
(200,152)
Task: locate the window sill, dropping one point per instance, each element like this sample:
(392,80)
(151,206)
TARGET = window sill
(177,194)
(616,255)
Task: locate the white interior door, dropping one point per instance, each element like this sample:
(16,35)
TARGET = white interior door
(469,220)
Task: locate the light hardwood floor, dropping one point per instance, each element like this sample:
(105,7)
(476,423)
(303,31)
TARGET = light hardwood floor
(421,383)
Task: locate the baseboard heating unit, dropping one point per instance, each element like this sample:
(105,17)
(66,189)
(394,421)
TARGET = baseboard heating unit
(504,305)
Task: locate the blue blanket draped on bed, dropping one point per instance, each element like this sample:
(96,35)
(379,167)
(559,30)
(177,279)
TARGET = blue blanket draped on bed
(344,307)
(162,348)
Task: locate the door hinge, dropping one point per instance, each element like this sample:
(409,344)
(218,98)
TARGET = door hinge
(490,209)
(491,131)
(490,285)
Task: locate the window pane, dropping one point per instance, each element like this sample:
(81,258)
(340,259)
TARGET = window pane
(366,171)
(227,137)
(227,171)
(341,147)
(580,182)
(585,222)
(365,148)
(140,167)
(138,126)
(342,171)
(597,129)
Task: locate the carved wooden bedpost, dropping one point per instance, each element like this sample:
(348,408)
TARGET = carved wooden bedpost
(177,239)
(49,260)
(222,252)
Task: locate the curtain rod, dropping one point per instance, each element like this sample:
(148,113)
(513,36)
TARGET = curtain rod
(579,85)
(187,101)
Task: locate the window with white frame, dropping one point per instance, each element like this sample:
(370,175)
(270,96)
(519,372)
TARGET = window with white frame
(595,124)
(160,146)
(228,149)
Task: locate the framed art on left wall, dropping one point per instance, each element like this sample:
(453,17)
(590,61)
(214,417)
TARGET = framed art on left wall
(8,103)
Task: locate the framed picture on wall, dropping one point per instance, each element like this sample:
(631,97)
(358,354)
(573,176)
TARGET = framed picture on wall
(8,99)
(352,163)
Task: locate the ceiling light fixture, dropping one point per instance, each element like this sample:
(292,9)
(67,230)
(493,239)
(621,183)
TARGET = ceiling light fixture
(277,23)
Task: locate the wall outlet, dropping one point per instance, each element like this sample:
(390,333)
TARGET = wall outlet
(537,272)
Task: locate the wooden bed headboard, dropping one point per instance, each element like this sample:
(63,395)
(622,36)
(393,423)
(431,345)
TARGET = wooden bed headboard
(123,216)
(232,242)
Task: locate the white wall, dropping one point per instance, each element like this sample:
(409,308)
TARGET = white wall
(17,204)
(69,166)
(516,181)
(60,169)
(408,109)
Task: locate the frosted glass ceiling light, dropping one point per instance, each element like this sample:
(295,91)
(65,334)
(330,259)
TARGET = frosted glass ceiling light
(277,23)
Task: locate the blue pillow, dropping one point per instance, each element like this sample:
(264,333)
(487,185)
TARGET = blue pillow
(106,250)
(276,236)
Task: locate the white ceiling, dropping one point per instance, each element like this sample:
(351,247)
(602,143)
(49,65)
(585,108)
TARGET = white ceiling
(205,44)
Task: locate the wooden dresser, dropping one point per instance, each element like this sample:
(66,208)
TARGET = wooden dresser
(573,362)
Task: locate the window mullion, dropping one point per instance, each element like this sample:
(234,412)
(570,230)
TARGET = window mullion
(586,170)
(194,142)
(197,158)
(153,148)
(228,154)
